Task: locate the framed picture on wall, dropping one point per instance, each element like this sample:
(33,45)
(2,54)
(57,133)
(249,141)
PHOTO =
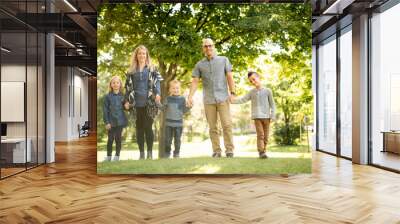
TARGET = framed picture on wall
(203,88)
(12,101)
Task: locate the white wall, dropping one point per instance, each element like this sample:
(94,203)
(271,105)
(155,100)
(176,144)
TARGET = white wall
(70,83)
(12,73)
(80,115)
(61,103)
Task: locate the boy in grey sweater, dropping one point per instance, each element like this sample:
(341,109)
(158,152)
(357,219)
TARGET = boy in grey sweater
(262,110)
(175,108)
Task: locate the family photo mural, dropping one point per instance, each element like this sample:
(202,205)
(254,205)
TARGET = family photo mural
(204,89)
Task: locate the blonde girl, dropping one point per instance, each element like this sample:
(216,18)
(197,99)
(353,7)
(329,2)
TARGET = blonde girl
(114,116)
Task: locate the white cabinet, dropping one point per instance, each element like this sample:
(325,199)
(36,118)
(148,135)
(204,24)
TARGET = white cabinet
(18,149)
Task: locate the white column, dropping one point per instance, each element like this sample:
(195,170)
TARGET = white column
(50,101)
(50,92)
(360,90)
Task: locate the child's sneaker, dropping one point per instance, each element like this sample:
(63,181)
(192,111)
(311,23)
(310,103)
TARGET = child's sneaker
(176,155)
(263,155)
(116,158)
(107,159)
(149,154)
(216,155)
(229,155)
(141,156)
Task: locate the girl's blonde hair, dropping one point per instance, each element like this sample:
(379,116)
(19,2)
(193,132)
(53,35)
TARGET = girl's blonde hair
(134,60)
(121,88)
(173,82)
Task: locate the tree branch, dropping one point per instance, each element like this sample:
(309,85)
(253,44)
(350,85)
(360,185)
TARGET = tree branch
(200,17)
(206,20)
(204,23)
(225,39)
(171,69)
(182,74)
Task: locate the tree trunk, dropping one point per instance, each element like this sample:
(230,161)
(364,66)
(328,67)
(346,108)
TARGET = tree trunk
(161,134)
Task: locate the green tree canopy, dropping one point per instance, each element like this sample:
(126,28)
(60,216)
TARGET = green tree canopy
(173,35)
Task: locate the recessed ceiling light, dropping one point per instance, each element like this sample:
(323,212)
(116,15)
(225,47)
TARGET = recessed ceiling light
(64,40)
(70,5)
(5,50)
(338,6)
(84,71)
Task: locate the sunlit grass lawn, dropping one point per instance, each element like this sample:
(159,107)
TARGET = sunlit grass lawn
(250,147)
(199,164)
(128,145)
(208,165)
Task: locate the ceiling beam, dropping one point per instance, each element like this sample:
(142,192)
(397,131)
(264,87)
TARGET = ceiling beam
(78,61)
(86,26)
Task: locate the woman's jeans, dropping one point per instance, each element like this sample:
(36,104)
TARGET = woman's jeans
(144,130)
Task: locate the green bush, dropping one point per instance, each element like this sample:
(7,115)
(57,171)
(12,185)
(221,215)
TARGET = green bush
(286,133)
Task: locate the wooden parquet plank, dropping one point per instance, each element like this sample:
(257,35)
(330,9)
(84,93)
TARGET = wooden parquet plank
(70,191)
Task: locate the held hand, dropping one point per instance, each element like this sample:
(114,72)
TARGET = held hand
(189,102)
(231,98)
(108,126)
(158,99)
(126,105)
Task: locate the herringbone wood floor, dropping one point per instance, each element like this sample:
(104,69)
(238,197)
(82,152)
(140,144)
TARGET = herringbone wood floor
(70,191)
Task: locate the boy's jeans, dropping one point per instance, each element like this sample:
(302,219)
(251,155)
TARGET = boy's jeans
(262,129)
(173,133)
